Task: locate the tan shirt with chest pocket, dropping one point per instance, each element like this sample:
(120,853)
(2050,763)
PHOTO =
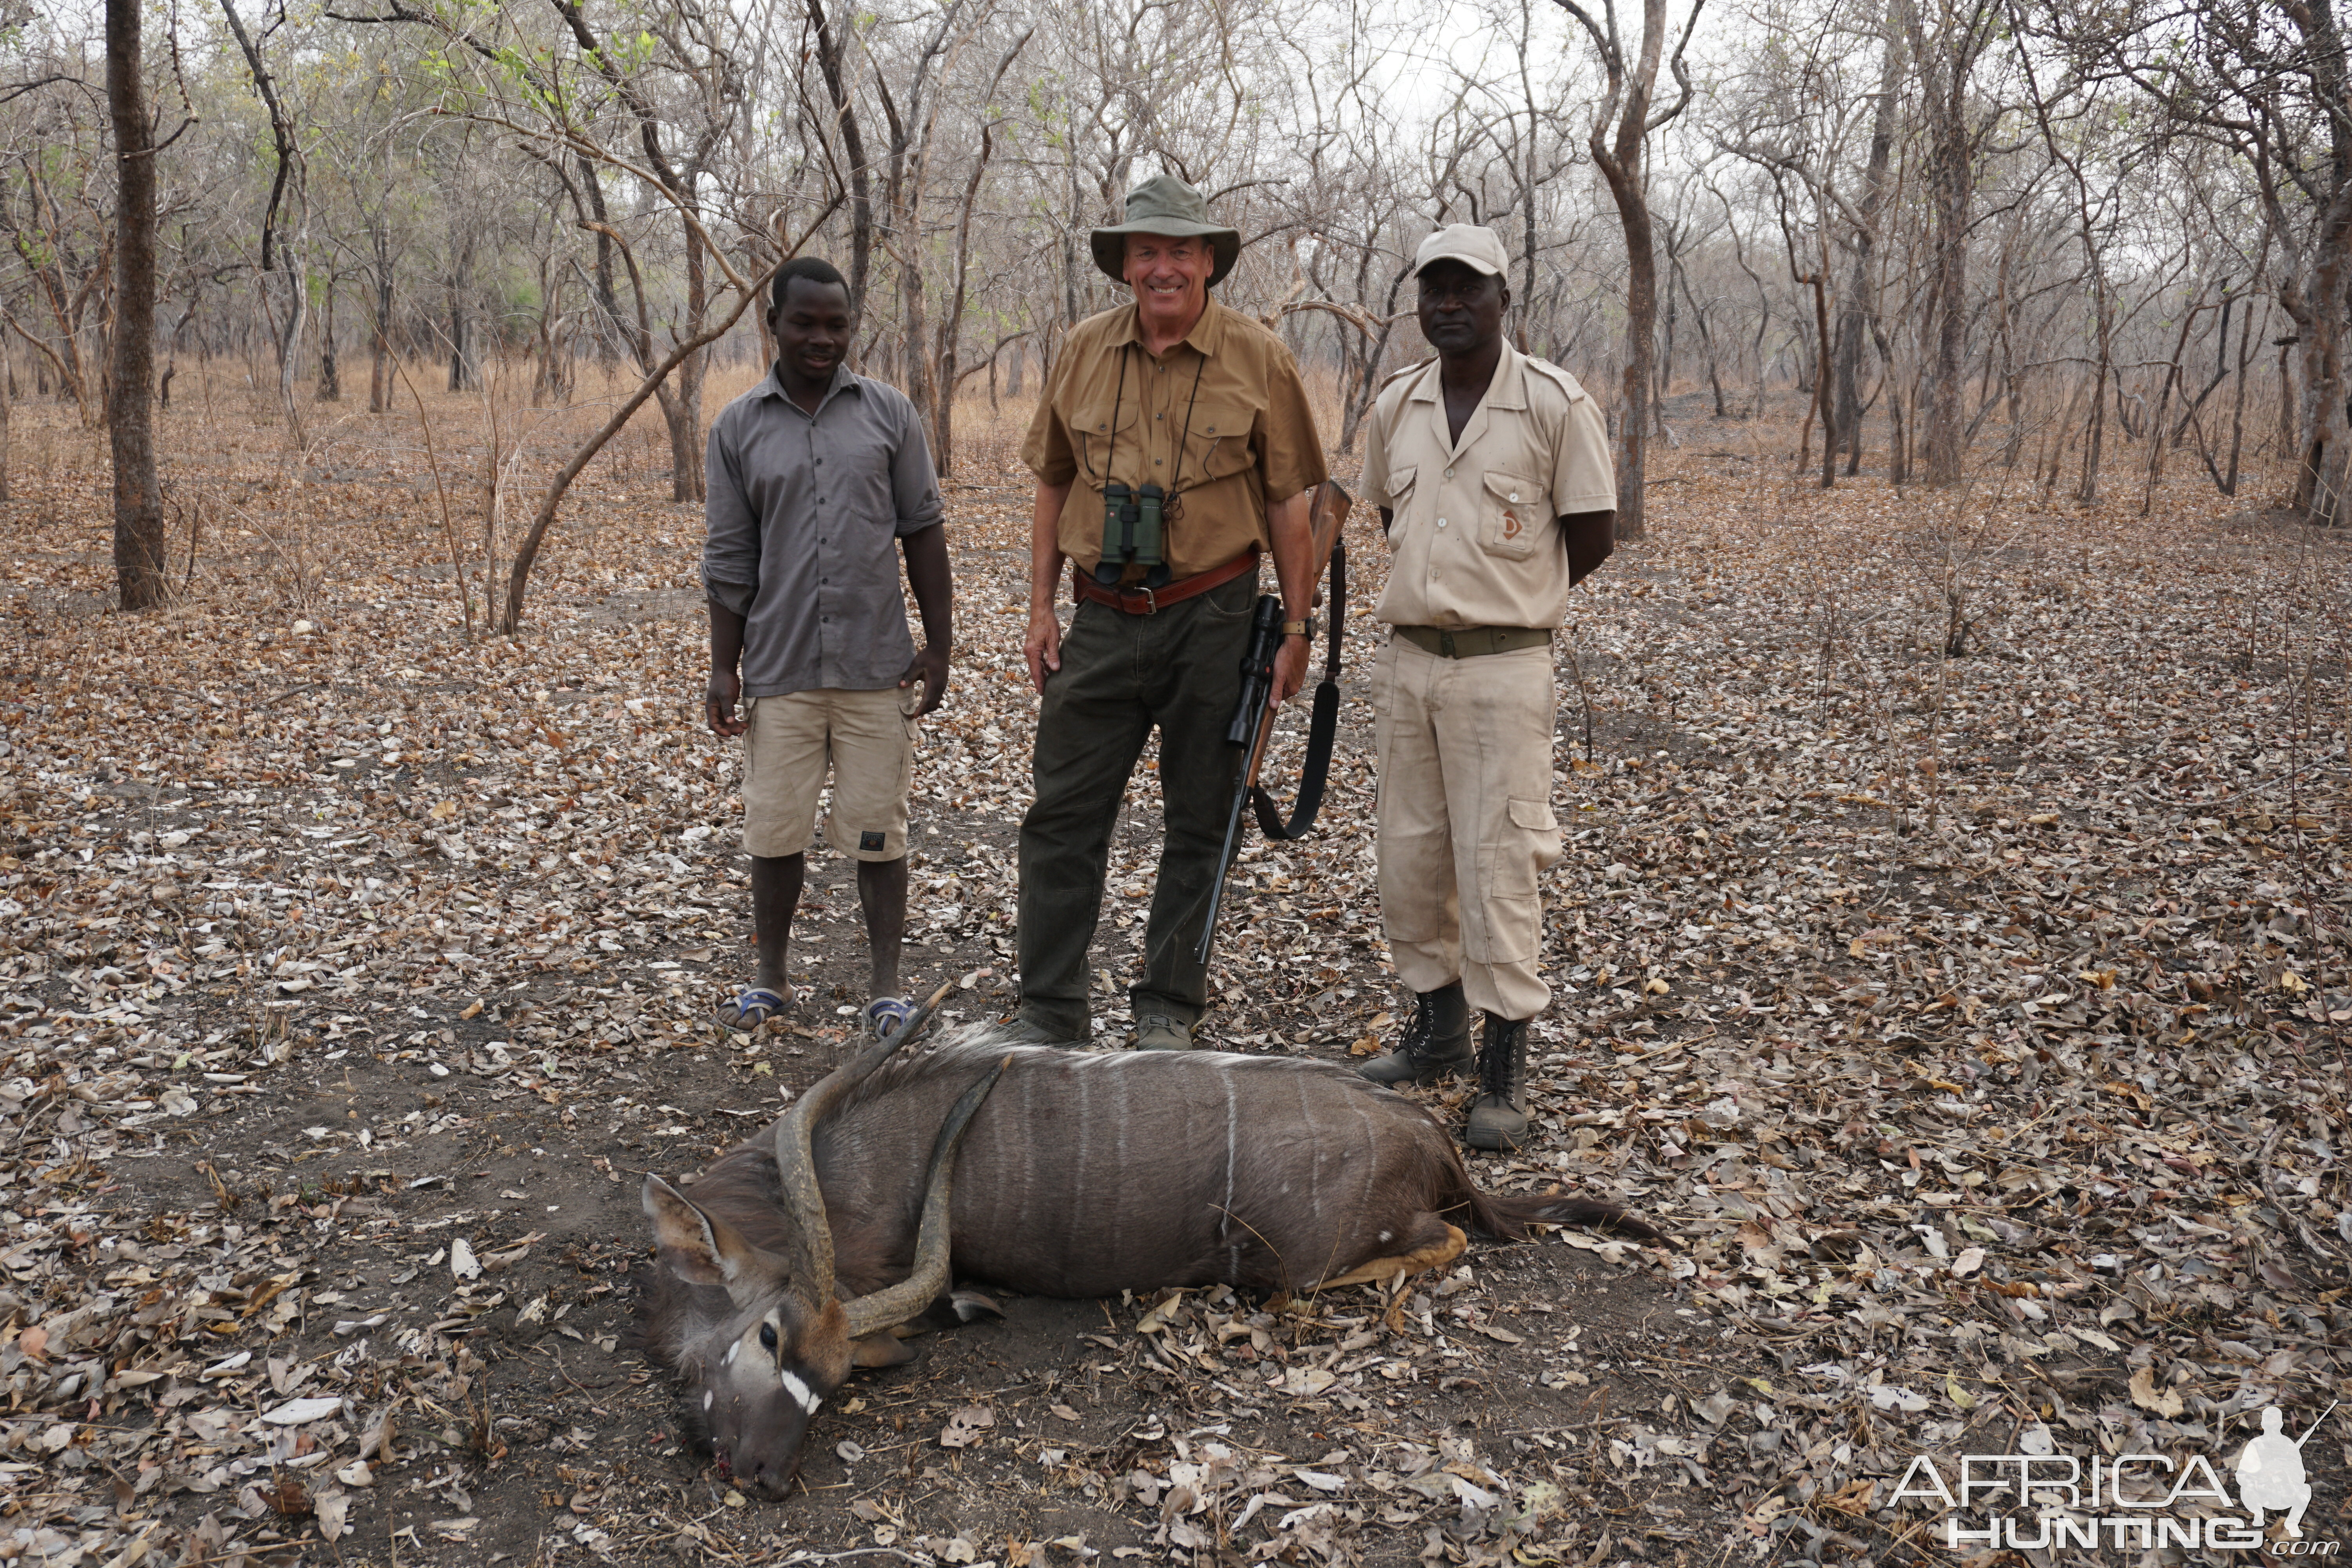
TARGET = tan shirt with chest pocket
(1221,421)
(1475,539)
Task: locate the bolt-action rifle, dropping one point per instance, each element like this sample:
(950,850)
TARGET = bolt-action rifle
(1252,722)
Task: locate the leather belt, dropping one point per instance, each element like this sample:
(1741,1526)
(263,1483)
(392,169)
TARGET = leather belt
(1141,601)
(1469,642)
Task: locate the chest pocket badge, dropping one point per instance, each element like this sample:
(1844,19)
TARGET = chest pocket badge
(1508,520)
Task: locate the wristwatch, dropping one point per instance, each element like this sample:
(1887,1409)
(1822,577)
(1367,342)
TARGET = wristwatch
(1305,629)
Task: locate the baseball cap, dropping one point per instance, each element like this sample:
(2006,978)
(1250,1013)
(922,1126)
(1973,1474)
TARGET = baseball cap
(1473,245)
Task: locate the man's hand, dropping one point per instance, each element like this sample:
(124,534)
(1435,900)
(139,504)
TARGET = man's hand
(1042,646)
(930,667)
(718,703)
(1290,669)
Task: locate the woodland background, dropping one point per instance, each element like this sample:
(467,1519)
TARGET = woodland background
(1950,948)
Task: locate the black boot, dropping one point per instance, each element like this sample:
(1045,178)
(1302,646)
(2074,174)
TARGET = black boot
(1499,1120)
(1437,1041)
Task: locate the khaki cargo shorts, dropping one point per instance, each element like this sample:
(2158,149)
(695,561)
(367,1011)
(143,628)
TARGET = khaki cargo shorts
(866,738)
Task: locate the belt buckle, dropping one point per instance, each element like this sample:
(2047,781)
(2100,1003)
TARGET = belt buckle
(1151,600)
(1445,645)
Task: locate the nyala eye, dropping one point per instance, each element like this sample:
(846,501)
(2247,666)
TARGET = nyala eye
(768,1337)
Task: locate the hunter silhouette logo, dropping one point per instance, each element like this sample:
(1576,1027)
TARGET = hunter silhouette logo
(2270,1472)
(2127,1503)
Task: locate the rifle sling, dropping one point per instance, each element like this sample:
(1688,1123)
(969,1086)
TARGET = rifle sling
(1323,725)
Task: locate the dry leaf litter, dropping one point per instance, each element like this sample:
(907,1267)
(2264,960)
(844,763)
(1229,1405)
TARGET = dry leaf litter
(1977,1023)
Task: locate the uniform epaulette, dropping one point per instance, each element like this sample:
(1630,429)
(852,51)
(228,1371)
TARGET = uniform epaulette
(1394,376)
(1559,377)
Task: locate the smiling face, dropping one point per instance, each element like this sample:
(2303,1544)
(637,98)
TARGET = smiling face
(1461,308)
(1169,276)
(811,326)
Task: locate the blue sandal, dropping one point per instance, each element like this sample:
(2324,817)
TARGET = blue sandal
(751,1009)
(886,1015)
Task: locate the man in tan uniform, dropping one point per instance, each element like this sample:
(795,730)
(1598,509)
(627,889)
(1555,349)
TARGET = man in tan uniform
(1186,424)
(1492,472)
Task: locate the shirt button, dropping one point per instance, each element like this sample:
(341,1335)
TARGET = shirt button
(1449,473)
(1155,462)
(1515,495)
(820,463)
(1441,523)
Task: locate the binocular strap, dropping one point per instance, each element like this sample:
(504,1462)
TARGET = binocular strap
(1323,725)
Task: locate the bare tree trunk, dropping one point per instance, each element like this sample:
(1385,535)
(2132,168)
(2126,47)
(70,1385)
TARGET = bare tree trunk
(1892,64)
(1621,160)
(138,569)
(461,369)
(2247,337)
(380,347)
(7,376)
(853,142)
(683,412)
(608,301)
(2323,444)
(944,375)
(287,178)
(1949,62)
(331,381)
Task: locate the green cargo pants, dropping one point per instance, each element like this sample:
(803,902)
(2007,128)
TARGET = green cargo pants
(1121,675)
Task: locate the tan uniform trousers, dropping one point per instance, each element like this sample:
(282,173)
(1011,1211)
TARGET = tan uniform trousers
(1466,820)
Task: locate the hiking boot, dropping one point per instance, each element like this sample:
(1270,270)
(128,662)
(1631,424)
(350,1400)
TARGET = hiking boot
(1024,1030)
(1499,1120)
(1160,1032)
(1437,1042)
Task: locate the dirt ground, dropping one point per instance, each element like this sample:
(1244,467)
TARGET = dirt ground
(1975,1023)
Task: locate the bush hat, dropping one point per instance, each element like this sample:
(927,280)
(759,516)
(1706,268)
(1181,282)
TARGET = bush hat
(1165,206)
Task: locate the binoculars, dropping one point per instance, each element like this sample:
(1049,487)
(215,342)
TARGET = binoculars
(1132,534)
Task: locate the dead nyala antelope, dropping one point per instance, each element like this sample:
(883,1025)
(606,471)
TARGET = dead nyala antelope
(1048,1172)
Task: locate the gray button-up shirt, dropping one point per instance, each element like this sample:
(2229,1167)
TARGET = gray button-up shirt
(803,513)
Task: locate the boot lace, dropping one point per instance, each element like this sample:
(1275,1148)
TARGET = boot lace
(1419,1033)
(1499,1063)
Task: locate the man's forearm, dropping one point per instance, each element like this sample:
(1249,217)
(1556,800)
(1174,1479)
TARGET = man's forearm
(1291,524)
(1045,544)
(726,637)
(928,573)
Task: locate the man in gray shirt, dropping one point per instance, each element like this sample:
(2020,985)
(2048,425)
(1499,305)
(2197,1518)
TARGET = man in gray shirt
(813,474)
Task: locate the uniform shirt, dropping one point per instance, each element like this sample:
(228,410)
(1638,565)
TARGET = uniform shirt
(1475,538)
(802,511)
(1252,438)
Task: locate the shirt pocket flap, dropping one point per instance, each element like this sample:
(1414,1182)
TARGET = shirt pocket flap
(1534,815)
(1400,483)
(1512,522)
(1218,446)
(1100,426)
(1510,490)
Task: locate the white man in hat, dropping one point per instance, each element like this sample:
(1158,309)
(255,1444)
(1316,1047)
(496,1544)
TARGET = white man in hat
(1173,449)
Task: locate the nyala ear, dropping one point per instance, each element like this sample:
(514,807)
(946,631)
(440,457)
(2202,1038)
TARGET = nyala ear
(696,1248)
